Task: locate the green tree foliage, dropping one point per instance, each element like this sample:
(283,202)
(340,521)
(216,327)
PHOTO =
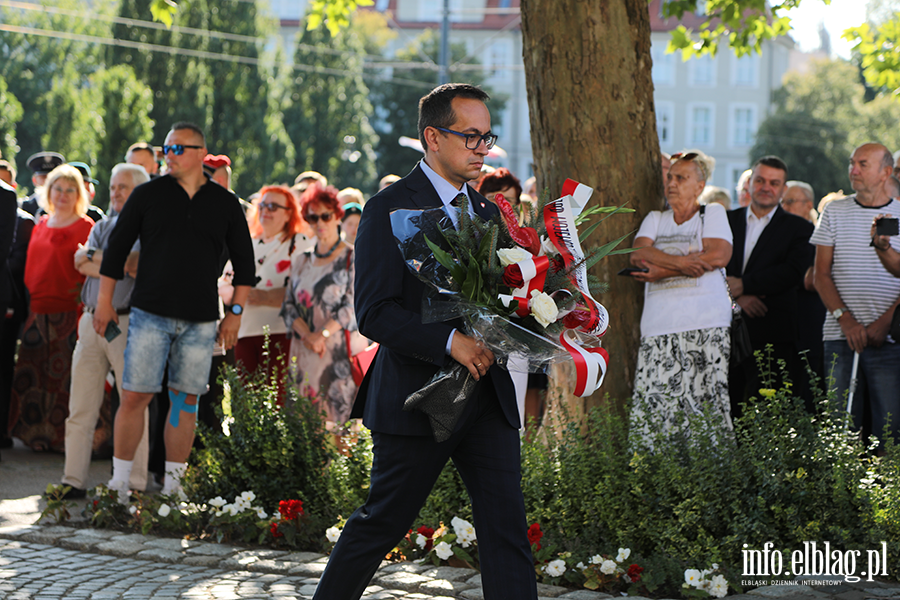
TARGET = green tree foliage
(34,63)
(9,116)
(820,117)
(328,109)
(397,99)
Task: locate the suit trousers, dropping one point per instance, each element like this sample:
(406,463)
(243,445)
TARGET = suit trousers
(91,361)
(485,450)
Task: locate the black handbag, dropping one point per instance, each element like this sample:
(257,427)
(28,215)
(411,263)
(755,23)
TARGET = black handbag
(895,325)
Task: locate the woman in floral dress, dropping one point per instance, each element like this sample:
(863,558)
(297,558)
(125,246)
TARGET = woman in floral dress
(318,307)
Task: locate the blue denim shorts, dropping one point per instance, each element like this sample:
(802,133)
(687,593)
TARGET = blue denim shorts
(153,341)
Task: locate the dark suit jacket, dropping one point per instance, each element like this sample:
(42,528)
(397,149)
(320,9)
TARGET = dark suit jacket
(775,270)
(9,205)
(388,300)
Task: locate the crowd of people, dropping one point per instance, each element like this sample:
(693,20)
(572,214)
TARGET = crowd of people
(271,280)
(816,285)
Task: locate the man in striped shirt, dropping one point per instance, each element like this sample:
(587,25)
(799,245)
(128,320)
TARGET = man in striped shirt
(859,294)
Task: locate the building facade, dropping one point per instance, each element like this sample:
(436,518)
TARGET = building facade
(712,103)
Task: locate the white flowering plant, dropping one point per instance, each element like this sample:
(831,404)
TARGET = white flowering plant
(705,583)
(456,545)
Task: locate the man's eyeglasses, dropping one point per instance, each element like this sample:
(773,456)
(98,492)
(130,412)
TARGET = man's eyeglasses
(177,149)
(271,206)
(313,218)
(474,139)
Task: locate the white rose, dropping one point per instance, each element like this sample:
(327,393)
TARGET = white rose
(607,567)
(511,256)
(543,308)
(443,550)
(164,510)
(421,540)
(332,533)
(596,559)
(624,553)
(555,568)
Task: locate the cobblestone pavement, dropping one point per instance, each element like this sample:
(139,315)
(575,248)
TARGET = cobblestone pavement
(66,563)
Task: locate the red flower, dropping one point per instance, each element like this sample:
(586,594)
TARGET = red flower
(427,533)
(512,277)
(534,536)
(282,265)
(274,529)
(634,573)
(290,509)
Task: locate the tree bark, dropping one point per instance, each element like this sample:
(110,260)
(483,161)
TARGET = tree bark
(590,99)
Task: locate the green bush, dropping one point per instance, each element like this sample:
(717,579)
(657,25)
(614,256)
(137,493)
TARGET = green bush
(277,452)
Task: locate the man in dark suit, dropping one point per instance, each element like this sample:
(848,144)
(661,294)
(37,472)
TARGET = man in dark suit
(9,205)
(454,127)
(771,254)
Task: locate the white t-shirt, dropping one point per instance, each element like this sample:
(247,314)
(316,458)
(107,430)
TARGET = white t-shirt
(865,286)
(273,267)
(677,304)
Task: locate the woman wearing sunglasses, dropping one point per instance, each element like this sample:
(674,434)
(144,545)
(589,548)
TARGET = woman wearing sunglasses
(276,225)
(682,367)
(318,307)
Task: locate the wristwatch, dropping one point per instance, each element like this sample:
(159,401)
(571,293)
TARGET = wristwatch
(325,333)
(838,312)
(90,254)
(236,309)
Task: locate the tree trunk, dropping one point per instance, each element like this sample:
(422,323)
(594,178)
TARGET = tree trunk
(590,99)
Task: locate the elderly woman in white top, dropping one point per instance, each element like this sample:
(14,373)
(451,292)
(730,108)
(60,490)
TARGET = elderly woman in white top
(685,341)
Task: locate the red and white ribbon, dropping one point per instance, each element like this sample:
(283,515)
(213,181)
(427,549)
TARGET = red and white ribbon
(559,219)
(534,273)
(590,364)
(580,194)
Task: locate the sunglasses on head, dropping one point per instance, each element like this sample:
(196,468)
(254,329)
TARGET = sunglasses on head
(177,149)
(313,218)
(271,206)
(684,156)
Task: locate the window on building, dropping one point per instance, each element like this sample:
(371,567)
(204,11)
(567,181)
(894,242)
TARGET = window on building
(701,125)
(745,71)
(498,59)
(665,116)
(663,65)
(743,125)
(702,71)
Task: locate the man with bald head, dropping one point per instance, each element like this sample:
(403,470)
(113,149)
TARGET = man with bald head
(858,292)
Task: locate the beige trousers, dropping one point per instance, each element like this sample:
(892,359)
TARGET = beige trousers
(91,361)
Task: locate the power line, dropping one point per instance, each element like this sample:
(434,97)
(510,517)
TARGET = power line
(144,46)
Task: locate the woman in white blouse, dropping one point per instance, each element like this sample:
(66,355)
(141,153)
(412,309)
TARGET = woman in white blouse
(276,226)
(685,325)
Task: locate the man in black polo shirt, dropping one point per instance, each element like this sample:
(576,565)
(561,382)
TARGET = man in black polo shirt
(175,301)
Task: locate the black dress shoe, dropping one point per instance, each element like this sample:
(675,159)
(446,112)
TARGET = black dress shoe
(74,494)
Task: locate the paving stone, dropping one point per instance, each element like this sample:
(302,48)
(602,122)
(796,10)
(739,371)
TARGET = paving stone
(403,581)
(213,550)
(45,535)
(272,566)
(585,595)
(308,569)
(161,555)
(120,548)
(777,591)
(172,544)
(449,573)
(302,557)
(202,561)
(443,587)
(555,591)
(883,592)
(406,567)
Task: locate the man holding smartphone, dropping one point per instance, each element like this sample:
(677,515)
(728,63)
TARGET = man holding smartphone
(859,294)
(95,354)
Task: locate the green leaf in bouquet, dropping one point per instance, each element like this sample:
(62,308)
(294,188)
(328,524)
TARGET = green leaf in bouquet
(609,210)
(472,286)
(456,271)
(598,253)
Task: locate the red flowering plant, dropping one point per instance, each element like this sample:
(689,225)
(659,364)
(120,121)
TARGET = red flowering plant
(288,527)
(534,537)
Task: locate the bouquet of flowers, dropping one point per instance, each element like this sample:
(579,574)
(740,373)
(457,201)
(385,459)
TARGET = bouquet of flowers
(522,289)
